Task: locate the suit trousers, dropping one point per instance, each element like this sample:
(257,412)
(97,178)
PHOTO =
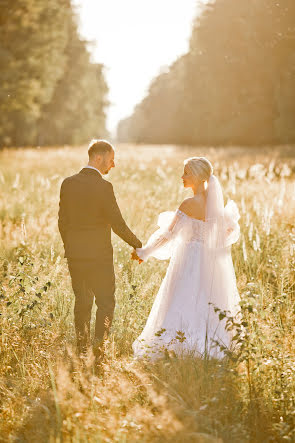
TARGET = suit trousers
(91,278)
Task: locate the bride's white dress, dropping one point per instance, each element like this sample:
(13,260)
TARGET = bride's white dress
(181,317)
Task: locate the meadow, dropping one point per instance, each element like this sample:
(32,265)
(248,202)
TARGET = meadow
(48,394)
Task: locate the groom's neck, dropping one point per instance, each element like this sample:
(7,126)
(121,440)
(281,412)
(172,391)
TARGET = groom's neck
(94,165)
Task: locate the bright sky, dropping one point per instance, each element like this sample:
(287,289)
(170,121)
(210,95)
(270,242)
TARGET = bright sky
(134,39)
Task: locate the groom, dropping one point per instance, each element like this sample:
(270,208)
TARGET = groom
(88,210)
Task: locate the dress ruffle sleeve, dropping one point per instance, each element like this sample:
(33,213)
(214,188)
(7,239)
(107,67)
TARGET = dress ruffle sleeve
(224,230)
(161,243)
(231,218)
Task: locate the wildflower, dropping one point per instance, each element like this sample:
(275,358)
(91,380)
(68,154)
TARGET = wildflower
(16,181)
(247,219)
(257,240)
(244,251)
(250,232)
(243,205)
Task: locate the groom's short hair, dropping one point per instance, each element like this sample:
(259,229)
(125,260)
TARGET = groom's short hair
(99,147)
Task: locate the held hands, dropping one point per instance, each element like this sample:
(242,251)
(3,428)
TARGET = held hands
(134,256)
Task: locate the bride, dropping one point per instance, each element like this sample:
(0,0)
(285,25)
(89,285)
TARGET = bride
(197,238)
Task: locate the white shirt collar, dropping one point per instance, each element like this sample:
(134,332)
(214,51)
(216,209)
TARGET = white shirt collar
(92,167)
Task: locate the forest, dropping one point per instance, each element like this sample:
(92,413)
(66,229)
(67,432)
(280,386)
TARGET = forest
(51,93)
(235,86)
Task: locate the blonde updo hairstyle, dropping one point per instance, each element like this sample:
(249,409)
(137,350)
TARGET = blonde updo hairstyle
(200,167)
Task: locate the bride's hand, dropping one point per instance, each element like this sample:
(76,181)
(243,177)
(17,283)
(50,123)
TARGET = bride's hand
(134,256)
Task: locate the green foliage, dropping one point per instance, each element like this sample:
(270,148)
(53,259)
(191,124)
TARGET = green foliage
(266,364)
(234,86)
(26,293)
(47,79)
(76,111)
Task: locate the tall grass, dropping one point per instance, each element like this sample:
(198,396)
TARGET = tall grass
(48,394)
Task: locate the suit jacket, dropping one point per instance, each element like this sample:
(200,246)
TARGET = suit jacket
(88,210)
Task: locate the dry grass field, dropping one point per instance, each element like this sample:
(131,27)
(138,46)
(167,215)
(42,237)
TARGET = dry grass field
(47,394)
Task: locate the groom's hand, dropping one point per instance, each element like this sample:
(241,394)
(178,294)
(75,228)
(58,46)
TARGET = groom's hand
(134,256)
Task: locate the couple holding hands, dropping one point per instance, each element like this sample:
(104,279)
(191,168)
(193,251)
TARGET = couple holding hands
(197,238)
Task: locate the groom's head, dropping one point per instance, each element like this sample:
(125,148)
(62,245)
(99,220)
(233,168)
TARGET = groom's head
(101,155)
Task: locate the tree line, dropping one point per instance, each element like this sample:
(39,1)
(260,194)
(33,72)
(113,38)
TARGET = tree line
(50,91)
(236,84)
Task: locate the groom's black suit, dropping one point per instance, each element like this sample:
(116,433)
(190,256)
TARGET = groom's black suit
(88,210)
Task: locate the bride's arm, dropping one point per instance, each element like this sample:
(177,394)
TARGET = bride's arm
(159,243)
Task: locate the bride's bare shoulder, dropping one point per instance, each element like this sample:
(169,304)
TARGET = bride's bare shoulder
(194,207)
(185,205)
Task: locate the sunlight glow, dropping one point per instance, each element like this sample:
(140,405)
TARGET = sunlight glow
(135,40)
